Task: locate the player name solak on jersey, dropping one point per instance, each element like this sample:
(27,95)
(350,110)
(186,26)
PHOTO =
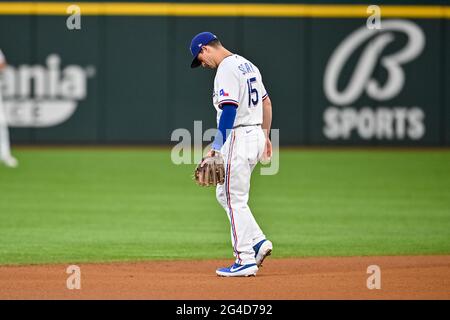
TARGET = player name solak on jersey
(246,67)
(244,116)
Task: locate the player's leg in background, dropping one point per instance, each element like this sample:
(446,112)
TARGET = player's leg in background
(4,135)
(5,148)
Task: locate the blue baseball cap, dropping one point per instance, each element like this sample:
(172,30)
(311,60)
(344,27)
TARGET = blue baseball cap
(200,40)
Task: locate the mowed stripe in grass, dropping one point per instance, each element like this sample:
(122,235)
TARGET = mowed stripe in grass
(88,205)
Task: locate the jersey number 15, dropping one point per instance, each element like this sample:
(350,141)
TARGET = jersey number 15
(253,96)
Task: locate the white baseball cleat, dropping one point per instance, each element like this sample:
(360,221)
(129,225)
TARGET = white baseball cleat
(262,249)
(238,270)
(10,162)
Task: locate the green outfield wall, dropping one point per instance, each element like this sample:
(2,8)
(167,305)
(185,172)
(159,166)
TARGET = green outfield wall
(124,77)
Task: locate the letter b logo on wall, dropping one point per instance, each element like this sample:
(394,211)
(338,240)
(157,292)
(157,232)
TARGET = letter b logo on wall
(378,121)
(361,79)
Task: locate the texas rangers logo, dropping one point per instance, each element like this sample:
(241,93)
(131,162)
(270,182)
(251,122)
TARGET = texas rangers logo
(222,93)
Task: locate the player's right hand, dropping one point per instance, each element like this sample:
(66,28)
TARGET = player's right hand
(268,149)
(267,154)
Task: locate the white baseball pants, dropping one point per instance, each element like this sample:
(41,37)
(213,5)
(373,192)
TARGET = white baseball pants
(5,148)
(241,152)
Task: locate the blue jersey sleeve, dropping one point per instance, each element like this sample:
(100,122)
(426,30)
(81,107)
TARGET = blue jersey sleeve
(226,122)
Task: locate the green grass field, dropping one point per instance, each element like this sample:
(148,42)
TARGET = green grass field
(78,205)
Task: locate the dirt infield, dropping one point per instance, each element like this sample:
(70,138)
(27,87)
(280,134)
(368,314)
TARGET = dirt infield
(402,277)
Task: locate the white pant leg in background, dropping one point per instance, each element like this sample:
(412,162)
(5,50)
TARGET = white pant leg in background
(5,149)
(241,152)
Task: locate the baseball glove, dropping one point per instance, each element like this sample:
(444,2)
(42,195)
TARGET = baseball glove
(210,171)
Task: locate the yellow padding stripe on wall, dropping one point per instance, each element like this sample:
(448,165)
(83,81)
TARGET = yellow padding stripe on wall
(223,10)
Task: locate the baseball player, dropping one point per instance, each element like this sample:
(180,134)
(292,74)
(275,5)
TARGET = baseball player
(244,116)
(5,149)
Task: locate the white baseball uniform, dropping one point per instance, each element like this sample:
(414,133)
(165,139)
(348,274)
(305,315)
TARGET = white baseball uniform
(5,150)
(239,82)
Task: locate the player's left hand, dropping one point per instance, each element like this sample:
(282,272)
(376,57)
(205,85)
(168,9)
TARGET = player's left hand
(211,153)
(211,171)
